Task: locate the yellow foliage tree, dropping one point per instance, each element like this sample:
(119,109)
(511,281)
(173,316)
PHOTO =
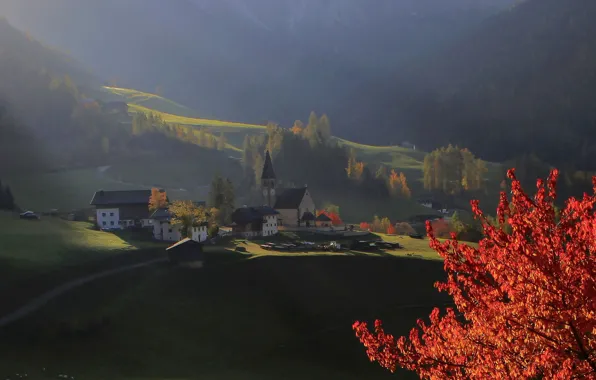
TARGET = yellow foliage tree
(186,214)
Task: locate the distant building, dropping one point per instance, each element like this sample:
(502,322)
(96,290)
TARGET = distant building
(429,203)
(408,145)
(186,251)
(165,231)
(323,221)
(121,208)
(292,203)
(255,221)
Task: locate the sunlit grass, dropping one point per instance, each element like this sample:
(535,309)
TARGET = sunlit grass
(412,248)
(183,120)
(149,100)
(51,242)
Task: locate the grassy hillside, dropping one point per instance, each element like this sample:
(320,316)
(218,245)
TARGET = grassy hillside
(37,255)
(393,156)
(70,189)
(264,318)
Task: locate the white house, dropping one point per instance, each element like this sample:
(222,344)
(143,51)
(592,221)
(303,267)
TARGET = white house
(164,230)
(255,221)
(122,208)
(200,233)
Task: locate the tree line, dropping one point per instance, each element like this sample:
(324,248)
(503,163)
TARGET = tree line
(7,201)
(452,170)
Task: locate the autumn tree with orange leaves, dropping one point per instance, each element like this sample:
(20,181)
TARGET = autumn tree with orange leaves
(525,301)
(398,185)
(158,199)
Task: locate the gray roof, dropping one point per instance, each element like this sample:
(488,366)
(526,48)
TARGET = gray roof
(120,197)
(307,216)
(246,215)
(162,214)
(183,241)
(323,218)
(289,198)
(268,172)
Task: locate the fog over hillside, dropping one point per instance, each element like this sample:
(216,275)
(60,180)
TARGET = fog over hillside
(255,60)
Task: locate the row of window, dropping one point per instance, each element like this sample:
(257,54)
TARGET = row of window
(104,214)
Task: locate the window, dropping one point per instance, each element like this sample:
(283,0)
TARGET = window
(112,223)
(170,230)
(103,214)
(103,223)
(111,214)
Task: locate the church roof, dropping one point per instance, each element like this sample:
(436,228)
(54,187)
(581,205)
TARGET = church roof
(308,216)
(268,172)
(289,198)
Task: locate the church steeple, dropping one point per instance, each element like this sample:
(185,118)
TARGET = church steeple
(268,180)
(268,172)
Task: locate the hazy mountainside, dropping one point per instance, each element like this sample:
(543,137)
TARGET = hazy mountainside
(523,83)
(253,61)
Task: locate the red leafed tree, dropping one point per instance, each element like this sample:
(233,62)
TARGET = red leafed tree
(441,228)
(365,226)
(391,230)
(525,300)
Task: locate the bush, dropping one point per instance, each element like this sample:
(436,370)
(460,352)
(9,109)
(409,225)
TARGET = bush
(404,228)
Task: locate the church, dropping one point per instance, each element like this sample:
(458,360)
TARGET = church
(295,206)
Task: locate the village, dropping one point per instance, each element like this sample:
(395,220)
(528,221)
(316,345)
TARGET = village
(283,212)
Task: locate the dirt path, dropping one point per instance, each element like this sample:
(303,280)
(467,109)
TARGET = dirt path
(40,301)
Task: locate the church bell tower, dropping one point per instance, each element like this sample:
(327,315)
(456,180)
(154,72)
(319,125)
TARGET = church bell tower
(268,180)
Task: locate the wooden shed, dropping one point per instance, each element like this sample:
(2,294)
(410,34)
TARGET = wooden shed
(186,251)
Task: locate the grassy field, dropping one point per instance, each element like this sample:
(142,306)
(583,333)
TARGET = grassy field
(32,251)
(146,99)
(264,318)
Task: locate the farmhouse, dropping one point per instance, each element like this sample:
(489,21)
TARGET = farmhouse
(165,231)
(294,205)
(122,208)
(254,221)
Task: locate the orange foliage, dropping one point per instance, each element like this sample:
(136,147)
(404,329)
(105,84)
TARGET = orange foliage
(158,199)
(365,226)
(525,301)
(296,130)
(391,230)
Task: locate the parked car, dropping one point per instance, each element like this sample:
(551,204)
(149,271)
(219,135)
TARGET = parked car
(30,215)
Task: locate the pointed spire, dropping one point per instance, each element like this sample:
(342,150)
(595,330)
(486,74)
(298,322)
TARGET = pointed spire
(268,172)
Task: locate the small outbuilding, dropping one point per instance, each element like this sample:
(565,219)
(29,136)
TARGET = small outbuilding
(186,251)
(323,221)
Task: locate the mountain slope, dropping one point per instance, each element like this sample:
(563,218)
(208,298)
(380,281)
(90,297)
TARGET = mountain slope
(524,83)
(253,61)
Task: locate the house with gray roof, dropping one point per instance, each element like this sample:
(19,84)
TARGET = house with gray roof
(121,208)
(255,221)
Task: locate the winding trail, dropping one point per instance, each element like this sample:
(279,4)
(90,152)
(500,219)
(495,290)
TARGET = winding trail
(40,301)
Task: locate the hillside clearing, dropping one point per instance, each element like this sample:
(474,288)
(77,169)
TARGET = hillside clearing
(146,99)
(177,119)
